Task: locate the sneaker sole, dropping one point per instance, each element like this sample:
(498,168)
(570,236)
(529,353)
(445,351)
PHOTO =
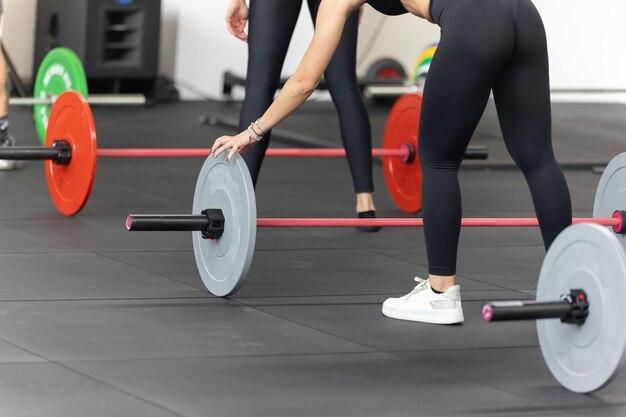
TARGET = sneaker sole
(423,317)
(6,165)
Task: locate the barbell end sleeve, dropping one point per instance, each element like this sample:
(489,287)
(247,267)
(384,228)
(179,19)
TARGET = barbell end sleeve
(59,153)
(210,222)
(525,310)
(409,156)
(620,228)
(166,222)
(487,312)
(572,308)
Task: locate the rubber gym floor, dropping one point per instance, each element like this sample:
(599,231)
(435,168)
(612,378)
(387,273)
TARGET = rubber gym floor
(96,321)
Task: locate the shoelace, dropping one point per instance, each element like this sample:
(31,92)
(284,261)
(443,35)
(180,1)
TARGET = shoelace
(421,285)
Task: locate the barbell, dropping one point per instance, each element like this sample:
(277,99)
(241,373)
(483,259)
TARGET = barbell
(582,280)
(71,151)
(60,71)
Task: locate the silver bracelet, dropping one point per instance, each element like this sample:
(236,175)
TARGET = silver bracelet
(253,134)
(257,124)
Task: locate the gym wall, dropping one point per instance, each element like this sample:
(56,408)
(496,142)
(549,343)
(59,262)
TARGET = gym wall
(585,40)
(19,34)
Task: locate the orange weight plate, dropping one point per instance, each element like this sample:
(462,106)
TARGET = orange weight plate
(404,177)
(70,185)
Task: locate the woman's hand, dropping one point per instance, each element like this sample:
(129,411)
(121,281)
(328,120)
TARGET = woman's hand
(237,18)
(237,144)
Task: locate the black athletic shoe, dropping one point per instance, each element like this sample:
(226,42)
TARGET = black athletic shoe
(368,215)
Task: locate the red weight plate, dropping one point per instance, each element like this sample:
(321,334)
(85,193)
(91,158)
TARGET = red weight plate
(70,185)
(404,179)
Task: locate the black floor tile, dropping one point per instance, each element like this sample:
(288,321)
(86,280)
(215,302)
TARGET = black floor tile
(329,385)
(332,272)
(512,267)
(305,335)
(53,390)
(90,233)
(522,372)
(81,276)
(365,324)
(14,240)
(105,330)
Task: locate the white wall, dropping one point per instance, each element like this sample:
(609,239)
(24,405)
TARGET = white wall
(585,42)
(19,33)
(206,49)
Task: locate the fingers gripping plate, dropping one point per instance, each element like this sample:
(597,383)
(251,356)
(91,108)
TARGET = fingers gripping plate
(224,263)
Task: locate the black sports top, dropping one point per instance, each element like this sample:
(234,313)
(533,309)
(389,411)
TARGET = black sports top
(388,7)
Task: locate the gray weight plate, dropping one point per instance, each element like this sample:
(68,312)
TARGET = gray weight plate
(224,263)
(584,358)
(611,191)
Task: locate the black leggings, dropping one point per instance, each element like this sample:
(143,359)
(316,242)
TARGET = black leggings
(487,45)
(271,24)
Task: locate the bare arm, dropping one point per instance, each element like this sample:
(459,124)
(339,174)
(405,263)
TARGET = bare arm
(331,19)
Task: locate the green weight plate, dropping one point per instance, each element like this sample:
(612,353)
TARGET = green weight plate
(611,191)
(584,358)
(223,263)
(59,71)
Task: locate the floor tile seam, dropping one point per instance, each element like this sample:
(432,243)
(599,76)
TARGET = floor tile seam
(24,363)
(303,231)
(347,249)
(212,297)
(321,331)
(395,353)
(142,251)
(44,252)
(497,287)
(460,349)
(145,270)
(38,236)
(541,409)
(386,294)
(87,300)
(137,191)
(506,246)
(363,304)
(221,357)
(469,378)
(120,390)
(30,352)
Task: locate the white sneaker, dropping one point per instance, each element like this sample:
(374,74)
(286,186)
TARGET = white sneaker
(8,165)
(424,305)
